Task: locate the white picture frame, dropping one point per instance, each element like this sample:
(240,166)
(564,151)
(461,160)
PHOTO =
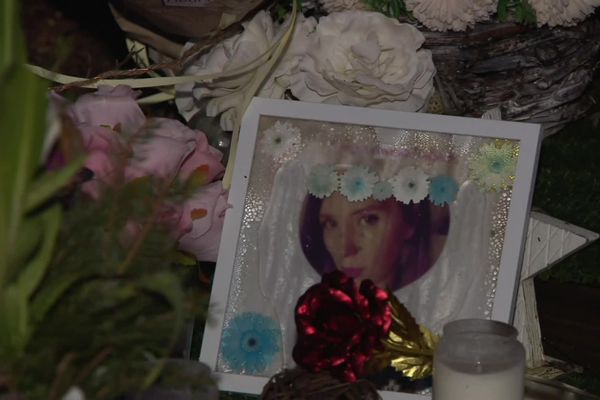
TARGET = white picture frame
(528,137)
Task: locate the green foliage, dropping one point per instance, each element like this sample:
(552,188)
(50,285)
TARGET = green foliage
(112,305)
(520,10)
(29,221)
(82,302)
(391,8)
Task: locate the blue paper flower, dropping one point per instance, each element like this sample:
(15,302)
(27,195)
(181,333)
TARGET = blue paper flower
(322,181)
(382,190)
(442,190)
(357,183)
(250,343)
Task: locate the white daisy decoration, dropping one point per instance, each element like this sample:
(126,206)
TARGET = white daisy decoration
(281,140)
(322,181)
(410,184)
(357,183)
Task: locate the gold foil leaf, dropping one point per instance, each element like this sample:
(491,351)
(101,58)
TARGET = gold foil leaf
(409,347)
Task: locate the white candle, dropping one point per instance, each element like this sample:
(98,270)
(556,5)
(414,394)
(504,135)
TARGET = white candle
(449,384)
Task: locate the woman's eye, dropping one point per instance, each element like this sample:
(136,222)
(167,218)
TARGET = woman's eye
(328,224)
(369,219)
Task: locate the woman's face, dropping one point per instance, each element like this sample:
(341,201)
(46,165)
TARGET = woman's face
(364,238)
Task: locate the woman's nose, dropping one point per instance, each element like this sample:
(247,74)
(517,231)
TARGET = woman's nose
(350,244)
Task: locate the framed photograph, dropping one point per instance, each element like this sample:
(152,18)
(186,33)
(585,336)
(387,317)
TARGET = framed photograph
(433,208)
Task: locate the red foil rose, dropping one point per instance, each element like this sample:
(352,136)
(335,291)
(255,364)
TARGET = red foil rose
(339,325)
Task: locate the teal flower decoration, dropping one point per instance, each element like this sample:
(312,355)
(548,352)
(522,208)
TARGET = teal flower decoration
(357,183)
(322,181)
(250,343)
(495,166)
(382,190)
(442,190)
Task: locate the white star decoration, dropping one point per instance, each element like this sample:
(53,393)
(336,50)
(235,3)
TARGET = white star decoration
(549,240)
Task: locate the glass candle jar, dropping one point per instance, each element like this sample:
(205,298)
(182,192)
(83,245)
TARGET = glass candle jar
(478,359)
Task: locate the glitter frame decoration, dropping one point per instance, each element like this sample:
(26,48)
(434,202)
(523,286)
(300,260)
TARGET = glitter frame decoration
(230,275)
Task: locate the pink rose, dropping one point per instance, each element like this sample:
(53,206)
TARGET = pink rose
(123,145)
(110,106)
(202,220)
(167,148)
(104,147)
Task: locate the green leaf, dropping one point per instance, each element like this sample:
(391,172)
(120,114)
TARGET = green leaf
(166,285)
(13,324)
(49,183)
(502,10)
(23,104)
(51,292)
(34,271)
(11,40)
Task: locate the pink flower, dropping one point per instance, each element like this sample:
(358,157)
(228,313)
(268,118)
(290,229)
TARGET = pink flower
(167,148)
(123,145)
(114,107)
(202,220)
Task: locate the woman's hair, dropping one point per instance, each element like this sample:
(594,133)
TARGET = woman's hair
(417,257)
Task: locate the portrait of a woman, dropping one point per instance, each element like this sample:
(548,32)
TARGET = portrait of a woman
(389,242)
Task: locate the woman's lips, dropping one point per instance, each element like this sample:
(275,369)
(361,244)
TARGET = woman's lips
(352,272)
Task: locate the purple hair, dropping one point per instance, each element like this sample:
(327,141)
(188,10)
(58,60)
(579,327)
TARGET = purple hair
(417,261)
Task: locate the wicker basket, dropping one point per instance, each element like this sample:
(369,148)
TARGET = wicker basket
(535,75)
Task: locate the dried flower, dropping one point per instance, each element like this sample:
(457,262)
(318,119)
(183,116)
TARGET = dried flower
(456,15)
(342,5)
(562,12)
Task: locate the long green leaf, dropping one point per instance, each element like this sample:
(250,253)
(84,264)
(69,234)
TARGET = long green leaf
(23,102)
(11,41)
(13,324)
(46,185)
(34,271)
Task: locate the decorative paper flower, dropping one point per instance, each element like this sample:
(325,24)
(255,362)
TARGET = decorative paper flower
(495,166)
(411,184)
(250,343)
(365,59)
(442,190)
(339,325)
(562,12)
(281,140)
(342,5)
(382,190)
(456,15)
(322,181)
(357,183)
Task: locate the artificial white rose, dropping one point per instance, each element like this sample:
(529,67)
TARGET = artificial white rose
(234,52)
(562,12)
(455,15)
(279,80)
(365,59)
(222,95)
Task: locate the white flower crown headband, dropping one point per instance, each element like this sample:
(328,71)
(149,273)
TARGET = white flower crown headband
(493,168)
(358,183)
